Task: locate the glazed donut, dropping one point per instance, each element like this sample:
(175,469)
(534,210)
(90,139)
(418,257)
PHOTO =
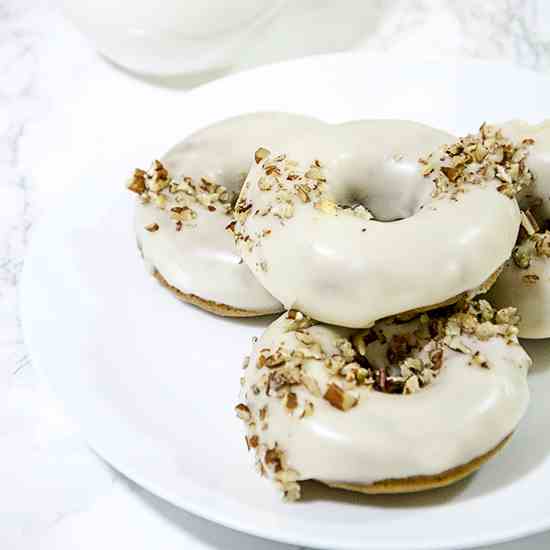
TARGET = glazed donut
(525,279)
(399,407)
(187,201)
(349,227)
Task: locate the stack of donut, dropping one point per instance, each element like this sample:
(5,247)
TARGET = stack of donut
(406,263)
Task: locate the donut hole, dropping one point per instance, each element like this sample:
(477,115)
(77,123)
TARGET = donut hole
(384,363)
(394,352)
(390,191)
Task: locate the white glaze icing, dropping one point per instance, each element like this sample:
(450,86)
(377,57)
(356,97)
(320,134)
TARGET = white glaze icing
(465,412)
(529,289)
(201,259)
(347,270)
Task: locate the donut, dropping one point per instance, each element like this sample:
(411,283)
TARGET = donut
(369,219)
(525,279)
(398,407)
(186,202)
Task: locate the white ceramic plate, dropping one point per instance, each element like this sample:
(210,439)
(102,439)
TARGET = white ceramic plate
(153,381)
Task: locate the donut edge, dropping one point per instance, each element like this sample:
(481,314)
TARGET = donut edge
(208,305)
(416,484)
(217,308)
(483,288)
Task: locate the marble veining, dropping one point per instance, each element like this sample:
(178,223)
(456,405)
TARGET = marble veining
(54,487)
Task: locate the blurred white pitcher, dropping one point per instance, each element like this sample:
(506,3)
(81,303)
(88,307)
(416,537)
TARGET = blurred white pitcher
(165,37)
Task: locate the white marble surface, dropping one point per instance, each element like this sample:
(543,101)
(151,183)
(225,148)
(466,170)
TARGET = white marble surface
(56,494)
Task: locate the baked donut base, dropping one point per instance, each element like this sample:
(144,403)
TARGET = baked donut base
(208,305)
(416,484)
(230,311)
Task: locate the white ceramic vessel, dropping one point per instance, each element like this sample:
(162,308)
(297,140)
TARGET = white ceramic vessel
(165,37)
(153,382)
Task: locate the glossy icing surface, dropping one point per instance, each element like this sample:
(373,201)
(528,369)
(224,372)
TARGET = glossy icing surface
(462,413)
(201,258)
(346,269)
(528,288)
